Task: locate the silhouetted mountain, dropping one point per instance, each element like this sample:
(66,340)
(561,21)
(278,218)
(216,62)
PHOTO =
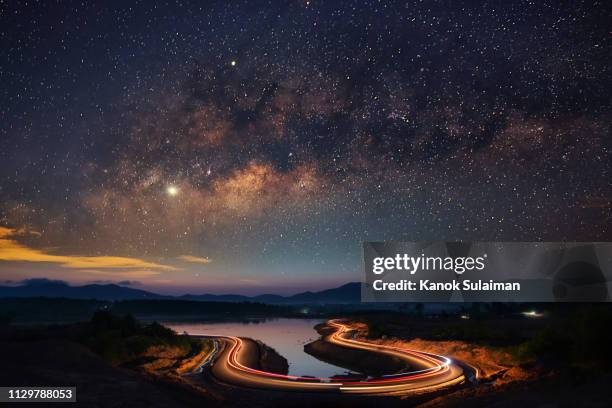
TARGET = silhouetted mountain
(216,298)
(349,293)
(58,289)
(269,298)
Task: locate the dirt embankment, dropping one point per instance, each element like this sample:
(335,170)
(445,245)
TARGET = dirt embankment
(493,364)
(259,356)
(175,360)
(269,360)
(190,364)
(490,363)
(361,361)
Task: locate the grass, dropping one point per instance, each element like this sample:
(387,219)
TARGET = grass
(122,340)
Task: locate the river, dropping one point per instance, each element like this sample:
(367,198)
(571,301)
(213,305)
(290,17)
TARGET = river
(286,336)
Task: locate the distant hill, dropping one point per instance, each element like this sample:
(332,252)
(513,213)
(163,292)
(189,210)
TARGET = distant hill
(345,294)
(56,289)
(348,293)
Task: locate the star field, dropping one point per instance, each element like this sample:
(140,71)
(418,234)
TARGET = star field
(271,138)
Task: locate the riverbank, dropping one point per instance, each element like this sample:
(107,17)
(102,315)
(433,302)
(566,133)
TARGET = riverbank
(264,358)
(359,361)
(490,362)
(485,363)
(515,367)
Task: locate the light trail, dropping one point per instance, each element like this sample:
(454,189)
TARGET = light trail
(435,371)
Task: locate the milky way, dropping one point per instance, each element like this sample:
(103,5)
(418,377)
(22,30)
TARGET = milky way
(262,142)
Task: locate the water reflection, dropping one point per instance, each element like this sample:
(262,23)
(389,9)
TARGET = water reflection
(286,336)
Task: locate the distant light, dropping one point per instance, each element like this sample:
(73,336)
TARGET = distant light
(233,63)
(465,316)
(172,191)
(532,314)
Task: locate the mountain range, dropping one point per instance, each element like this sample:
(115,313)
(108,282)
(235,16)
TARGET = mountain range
(348,293)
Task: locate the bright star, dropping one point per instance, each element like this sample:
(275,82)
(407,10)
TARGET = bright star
(172,191)
(233,63)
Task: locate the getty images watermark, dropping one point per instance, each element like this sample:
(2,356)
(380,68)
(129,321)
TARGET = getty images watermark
(487,271)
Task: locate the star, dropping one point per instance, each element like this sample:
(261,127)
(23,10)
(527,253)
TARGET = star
(172,191)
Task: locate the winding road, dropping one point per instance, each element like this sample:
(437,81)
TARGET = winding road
(433,372)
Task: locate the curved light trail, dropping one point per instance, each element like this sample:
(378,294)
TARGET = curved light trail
(433,371)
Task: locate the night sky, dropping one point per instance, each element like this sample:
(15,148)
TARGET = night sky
(251,146)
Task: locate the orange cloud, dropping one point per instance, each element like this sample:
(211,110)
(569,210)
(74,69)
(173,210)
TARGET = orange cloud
(11,250)
(194,259)
(118,274)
